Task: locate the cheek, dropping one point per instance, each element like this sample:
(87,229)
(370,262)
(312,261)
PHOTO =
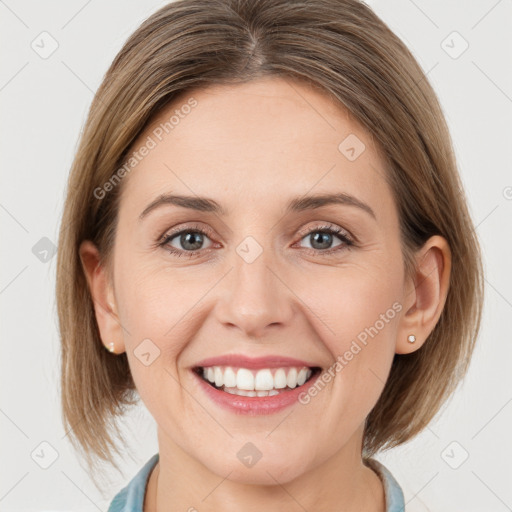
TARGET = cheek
(159,305)
(149,296)
(157,311)
(355,303)
(357,310)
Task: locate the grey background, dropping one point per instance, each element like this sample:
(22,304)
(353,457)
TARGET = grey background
(44,102)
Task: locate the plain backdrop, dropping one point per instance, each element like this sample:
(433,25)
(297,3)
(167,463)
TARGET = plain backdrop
(459,463)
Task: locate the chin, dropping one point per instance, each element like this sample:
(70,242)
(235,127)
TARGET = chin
(270,470)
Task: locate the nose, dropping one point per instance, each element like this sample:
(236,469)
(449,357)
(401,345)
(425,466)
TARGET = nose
(255,297)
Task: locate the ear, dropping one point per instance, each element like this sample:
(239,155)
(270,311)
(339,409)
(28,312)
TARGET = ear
(102,295)
(425,294)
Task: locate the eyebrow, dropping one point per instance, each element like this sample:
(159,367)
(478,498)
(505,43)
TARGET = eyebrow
(299,204)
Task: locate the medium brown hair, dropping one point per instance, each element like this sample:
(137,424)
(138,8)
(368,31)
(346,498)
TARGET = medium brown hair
(345,51)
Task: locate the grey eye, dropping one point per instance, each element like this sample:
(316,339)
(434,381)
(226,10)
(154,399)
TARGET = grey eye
(189,240)
(321,240)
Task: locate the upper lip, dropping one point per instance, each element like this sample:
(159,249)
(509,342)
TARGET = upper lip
(242,361)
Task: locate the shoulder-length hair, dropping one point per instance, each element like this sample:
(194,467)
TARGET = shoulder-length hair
(344,50)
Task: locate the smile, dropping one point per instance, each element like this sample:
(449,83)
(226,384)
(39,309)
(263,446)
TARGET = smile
(255,383)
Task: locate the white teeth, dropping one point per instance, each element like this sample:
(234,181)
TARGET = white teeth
(245,379)
(301,377)
(291,380)
(243,392)
(280,379)
(218,377)
(245,382)
(229,378)
(264,380)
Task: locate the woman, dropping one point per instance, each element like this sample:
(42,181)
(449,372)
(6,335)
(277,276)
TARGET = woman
(266,229)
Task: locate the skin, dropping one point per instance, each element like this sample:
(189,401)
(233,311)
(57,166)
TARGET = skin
(252,148)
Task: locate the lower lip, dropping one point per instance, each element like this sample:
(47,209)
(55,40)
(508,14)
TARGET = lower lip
(254,405)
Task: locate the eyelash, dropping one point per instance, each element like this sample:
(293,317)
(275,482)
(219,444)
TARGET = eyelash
(328,228)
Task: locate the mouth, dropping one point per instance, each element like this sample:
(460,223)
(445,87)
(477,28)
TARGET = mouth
(254,383)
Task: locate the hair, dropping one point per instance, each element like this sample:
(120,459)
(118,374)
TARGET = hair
(340,47)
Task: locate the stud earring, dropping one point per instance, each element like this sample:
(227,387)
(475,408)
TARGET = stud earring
(110,346)
(411,338)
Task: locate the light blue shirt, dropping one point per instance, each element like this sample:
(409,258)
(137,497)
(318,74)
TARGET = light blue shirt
(131,497)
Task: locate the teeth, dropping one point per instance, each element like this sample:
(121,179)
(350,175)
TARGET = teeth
(280,379)
(218,376)
(264,380)
(245,382)
(291,380)
(302,376)
(244,379)
(229,378)
(243,392)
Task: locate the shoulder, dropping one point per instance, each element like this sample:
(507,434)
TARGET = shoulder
(131,497)
(394,492)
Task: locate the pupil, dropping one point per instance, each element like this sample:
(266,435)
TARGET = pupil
(321,237)
(190,238)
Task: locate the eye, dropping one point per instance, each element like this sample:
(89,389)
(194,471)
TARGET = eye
(186,242)
(321,239)
(190,242)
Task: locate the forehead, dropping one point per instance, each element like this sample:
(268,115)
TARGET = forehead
(262,141)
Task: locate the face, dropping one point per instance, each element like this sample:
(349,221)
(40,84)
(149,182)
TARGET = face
(256,273)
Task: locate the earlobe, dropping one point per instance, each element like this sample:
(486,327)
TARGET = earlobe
(102,295)
(425,295)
